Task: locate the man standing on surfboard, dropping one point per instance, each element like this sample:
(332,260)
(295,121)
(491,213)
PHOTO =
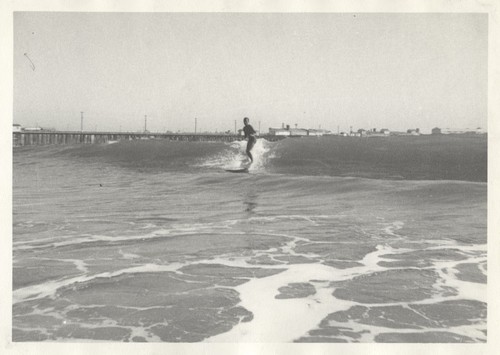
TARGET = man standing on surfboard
(250,135)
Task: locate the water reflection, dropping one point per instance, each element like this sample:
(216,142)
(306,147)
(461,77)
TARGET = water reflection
(250,201)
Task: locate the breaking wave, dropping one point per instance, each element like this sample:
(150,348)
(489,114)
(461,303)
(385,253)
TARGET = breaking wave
(393,158)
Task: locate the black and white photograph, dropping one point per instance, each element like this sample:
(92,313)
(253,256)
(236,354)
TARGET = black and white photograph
(250,177)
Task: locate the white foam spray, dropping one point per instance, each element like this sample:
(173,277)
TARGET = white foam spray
(236,157)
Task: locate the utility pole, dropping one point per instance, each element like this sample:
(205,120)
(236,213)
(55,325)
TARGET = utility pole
(259,127)
(81,121)
(195,125)
(145,123)
(234,126)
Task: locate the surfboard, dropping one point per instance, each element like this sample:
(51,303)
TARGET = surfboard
(242,170)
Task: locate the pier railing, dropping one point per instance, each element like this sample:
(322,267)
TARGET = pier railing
(24,138)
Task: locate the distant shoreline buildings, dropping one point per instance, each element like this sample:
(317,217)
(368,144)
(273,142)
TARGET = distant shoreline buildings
(384,132)
(478,130)
(286,130)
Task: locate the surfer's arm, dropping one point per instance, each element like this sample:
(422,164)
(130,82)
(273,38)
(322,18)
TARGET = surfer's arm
(251,132)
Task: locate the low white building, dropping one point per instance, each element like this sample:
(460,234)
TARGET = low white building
(447,130)
(317,132)
(16,127)
(298,132)
(279,131)
(287,131)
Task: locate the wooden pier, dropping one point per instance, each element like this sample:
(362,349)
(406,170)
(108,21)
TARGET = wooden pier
(25,138)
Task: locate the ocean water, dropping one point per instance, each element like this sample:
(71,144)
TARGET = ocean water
(325,240)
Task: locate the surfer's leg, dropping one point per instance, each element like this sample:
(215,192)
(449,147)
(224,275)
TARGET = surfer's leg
(248,152)
(250,144)
(250,156)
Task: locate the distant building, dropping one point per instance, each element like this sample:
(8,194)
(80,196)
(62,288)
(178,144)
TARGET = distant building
(314,132)
(372,133)
(279,131)
(477,130)
(413,132)
(16,127)
(298,132)
(287,131)
(317,132)
(436,130)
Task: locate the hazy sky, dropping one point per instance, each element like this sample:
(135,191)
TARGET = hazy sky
(395,71)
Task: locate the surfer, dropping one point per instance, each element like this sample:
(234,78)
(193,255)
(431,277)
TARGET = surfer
(250,135)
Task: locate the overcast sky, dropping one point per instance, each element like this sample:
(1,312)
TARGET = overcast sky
(395,71)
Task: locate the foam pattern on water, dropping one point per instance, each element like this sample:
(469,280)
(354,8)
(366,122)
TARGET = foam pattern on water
(220,256)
